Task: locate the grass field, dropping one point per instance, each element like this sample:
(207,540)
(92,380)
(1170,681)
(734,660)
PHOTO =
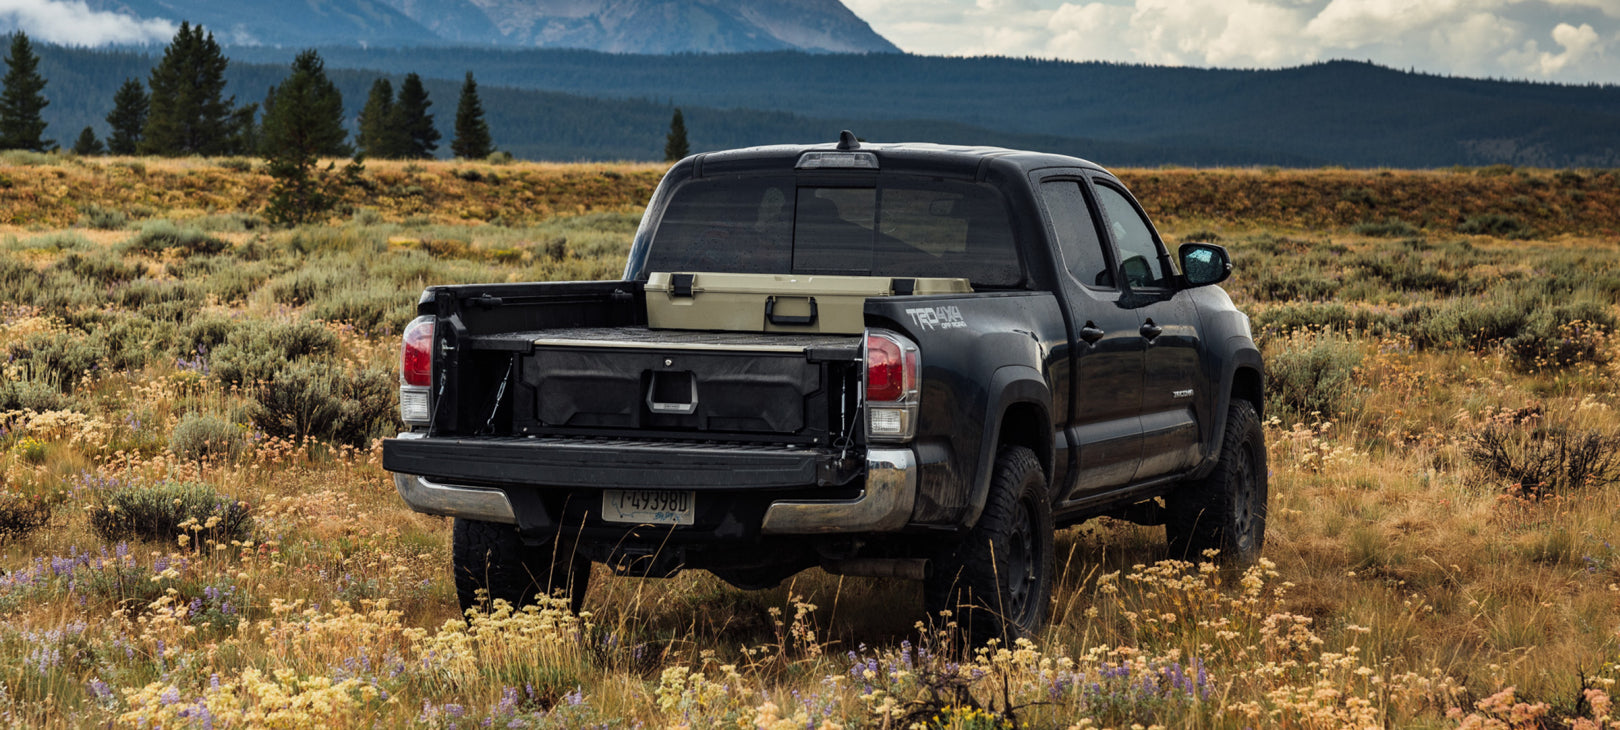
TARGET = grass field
(195,531)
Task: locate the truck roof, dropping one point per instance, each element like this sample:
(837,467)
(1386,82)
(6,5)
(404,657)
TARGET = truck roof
(953,160)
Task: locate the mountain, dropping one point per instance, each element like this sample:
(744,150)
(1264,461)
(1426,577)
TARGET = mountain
(668,26)
(299,24)
(614,26)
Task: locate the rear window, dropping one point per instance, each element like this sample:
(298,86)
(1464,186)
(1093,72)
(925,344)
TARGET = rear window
(902,227)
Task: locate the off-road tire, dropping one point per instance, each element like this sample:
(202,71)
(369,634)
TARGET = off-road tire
(1225,511)
(997,582)
(492,557)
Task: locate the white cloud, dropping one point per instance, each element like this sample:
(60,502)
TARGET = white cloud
(1355,23)
(72,22)
(1476,40)
(1579,44)
(1462,37)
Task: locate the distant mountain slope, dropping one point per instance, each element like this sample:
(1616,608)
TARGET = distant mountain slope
(615,26)
(557,126)
(673,26)
(1341,112)
(297,23)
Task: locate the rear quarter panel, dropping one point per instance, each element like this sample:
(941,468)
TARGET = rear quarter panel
(980,354)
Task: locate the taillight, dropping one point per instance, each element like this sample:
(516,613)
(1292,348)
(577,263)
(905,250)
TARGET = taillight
(893,374)
(416,372)
(416,357)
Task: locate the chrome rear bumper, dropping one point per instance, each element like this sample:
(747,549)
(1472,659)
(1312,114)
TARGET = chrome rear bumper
(884,505)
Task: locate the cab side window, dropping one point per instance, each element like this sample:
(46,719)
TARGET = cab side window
(1139,254)
(1077,236)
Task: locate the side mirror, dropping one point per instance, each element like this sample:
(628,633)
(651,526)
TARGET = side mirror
(1203,264)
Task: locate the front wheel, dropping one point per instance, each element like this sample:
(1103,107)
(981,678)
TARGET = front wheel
(492,557)
(1226,511)
(998,581)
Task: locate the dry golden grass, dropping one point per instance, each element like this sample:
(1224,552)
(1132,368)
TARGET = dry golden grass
(1405,584)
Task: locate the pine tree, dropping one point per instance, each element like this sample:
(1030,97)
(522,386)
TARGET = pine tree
(307,110)
(413,121)
(380,136)
(303,121)
(127,118)
(472,140)
(87,144)
(22,99)
(675,146)
(188,115)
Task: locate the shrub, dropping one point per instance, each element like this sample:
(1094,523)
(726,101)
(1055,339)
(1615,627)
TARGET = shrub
(203,334)
(499,157)
(105,219)
(56,357)
(237,164)
(307,284)
(129,342)
(101,266)
(1311,373)
(1557,337)
(1271,285)
(1282,319)
(1408,273)
(202,436)
(237,222)
(1388,228)
(29,158)
(377,306)
(164,510)
(161,235)
(59,241)
(315,399)
(31,395)
(253,354)
(1543,461)
(1466,323)
(1500,225)
(21,514)
(174,301)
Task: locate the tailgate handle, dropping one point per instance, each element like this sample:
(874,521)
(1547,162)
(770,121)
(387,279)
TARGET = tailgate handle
(785,319)
(673,393)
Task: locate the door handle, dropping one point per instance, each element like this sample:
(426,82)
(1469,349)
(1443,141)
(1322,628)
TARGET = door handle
(1090,333)
(1151,330)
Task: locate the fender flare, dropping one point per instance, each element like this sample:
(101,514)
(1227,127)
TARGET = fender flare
(1010,385)
(1244,356)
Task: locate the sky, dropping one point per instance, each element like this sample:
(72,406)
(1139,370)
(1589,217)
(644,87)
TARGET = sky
(1570,41)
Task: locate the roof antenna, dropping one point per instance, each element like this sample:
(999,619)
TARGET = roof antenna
(847,141)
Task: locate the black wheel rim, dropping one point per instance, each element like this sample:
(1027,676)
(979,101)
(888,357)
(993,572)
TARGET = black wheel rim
(1023,563)
(1245,497)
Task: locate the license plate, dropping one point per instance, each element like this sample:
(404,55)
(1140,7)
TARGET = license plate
(648,506)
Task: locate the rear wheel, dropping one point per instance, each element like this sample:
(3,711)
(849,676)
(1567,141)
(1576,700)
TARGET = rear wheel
(1226,511)
(492,557)
(998,581)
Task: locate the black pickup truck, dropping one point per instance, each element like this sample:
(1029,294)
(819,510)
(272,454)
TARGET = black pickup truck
(894,360)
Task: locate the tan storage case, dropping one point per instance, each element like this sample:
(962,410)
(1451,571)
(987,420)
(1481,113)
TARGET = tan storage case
(774,302)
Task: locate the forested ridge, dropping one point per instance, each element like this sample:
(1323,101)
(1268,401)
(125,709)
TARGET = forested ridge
(582,105)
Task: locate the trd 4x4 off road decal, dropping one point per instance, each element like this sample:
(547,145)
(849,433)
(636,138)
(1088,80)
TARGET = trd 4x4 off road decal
(945,318)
